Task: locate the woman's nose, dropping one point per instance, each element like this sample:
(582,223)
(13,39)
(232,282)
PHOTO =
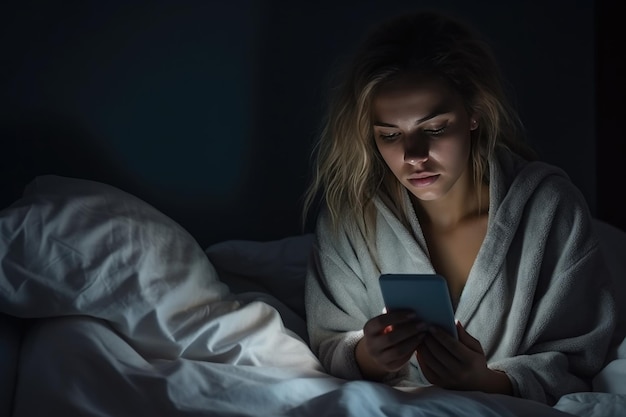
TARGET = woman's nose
(415,160)
(415,151)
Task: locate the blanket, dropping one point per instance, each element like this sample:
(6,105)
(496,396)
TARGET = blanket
(130,318)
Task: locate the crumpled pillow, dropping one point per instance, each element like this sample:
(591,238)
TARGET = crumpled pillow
(78,247)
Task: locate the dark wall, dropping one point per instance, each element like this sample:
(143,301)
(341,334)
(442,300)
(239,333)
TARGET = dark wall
(610,111)
(208,110)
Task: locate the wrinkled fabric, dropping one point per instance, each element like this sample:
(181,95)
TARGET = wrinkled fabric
(537,297)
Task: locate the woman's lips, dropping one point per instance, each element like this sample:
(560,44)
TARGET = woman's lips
(423,181)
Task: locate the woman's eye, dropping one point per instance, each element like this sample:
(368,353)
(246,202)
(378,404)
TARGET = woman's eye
(435,132)
(389,136)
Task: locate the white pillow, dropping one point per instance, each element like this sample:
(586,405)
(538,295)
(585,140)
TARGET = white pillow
(593,404)
(613,244)
(72,246)
(612,379)
(277,267)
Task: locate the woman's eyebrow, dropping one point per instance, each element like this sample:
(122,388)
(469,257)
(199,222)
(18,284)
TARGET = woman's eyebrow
(435,113)
(441,109)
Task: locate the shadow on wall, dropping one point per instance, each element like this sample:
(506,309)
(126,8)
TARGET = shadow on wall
(40,144)
(154,98)
(45,143)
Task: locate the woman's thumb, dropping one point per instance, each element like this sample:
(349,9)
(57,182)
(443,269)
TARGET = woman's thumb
(467,339)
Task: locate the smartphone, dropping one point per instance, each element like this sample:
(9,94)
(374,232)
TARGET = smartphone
(426,294)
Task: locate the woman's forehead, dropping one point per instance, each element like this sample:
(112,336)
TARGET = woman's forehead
(416,95)
(414,82)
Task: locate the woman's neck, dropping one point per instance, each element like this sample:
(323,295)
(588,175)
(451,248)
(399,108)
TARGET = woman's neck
(456,207)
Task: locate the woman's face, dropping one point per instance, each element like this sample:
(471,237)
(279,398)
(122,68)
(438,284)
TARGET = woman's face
(422,131)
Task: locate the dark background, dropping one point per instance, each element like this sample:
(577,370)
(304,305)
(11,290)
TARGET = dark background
(209,109)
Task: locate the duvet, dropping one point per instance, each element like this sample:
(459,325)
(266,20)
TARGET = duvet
(130,317)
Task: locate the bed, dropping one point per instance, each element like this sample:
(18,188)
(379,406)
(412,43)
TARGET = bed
(111,308)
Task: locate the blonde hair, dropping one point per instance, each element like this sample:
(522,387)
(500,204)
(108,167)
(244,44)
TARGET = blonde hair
(348,170)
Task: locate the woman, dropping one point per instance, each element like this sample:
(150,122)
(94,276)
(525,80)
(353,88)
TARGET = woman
(422,169)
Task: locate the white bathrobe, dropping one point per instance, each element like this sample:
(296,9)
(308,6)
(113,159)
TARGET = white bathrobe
(537,297)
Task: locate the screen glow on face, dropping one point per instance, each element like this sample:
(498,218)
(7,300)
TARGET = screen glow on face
(422,132)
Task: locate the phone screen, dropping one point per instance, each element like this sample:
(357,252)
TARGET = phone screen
(426,294)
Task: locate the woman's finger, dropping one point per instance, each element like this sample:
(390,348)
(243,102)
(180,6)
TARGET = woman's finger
(467,339)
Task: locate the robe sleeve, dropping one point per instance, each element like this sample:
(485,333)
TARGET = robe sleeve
(335,300)
(341,294)
(572,311)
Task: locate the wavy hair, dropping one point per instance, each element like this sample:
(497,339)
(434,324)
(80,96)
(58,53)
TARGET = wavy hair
(348,170)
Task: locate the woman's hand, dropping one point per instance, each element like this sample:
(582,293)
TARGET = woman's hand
(459,365)
(388,342)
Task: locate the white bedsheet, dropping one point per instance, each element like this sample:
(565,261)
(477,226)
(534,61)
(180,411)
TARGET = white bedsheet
(77,366)
(133,320)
